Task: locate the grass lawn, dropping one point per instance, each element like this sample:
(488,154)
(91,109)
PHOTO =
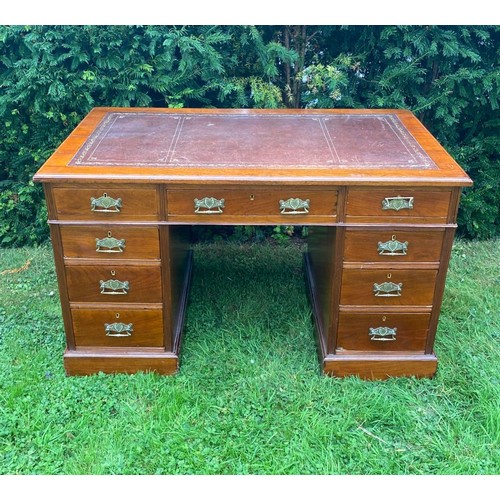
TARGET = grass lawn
(249,398)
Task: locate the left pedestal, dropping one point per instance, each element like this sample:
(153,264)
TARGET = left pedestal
(123,279)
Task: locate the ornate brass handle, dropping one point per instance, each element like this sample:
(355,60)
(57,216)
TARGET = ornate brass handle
(118,329)
(392,247)
(382,333)
(109,244)
(397,203)
(294,206)
(208,205)
(387,289)
(114,287)
(105,204)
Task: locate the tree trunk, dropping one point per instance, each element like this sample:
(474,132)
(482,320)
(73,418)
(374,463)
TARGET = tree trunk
(295,37)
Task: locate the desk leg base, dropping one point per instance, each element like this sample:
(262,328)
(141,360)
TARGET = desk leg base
(372,367)
(83,362)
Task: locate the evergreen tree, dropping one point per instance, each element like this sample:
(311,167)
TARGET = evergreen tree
(51,76)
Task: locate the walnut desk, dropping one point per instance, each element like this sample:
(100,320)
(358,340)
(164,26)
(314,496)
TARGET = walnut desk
(378,192)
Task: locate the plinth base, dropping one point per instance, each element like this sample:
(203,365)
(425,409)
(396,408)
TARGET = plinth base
(87,362)
(371,367)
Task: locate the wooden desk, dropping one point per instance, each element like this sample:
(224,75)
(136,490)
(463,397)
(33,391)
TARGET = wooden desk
(379,194)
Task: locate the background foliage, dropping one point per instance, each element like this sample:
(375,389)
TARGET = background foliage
(51,76)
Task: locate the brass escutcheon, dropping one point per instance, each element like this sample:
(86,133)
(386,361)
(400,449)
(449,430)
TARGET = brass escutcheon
(382,333)
(118,329)
(392,247)
(109,244)
(387,289)
(397,203)
(105,204)
(114,287)
(208,205)
(294,206)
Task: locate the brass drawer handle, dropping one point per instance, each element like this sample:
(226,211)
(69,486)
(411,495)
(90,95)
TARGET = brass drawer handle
(105,204)
(387,289)
(398,203)
(294,206)
(208,205)
(382,333)
(109,244)
(114,287)
(392,247)
(118,329)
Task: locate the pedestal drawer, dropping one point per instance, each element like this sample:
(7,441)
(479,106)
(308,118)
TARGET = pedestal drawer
(397,205)
(387,287)
(393,245)
(382,332)
(110,242)
(114,284)
(118,328)
(106,204)
(289,205)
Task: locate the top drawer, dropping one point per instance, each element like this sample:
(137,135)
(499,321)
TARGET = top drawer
(287,205)
(397,205)
(115,203)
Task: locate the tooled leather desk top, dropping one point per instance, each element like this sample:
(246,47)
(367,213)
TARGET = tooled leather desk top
(259,146)
(242,141)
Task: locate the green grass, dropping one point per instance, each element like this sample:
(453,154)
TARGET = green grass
(249,398)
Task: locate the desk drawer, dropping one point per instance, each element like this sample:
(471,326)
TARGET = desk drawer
(387,287)
(393,245)
(114,284)
(121,328)
(106,204)
(110,242)
(397,205)
(382,332)
(288,205)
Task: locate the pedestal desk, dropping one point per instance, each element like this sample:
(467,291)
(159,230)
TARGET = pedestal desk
(377,191)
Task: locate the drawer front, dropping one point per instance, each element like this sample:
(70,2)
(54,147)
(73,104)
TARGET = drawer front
(288,205)
(382,332)
(120,328)
(395,205)
(110,242)
(387,287)
(113,204)
(393,245)
(118,284)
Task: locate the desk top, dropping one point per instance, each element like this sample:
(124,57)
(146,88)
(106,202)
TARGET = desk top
(252,146)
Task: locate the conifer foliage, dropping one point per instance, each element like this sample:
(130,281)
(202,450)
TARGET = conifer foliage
(51,76)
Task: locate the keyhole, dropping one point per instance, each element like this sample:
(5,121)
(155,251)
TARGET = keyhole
(117,315)
(252,197)
(109,234)
(383,318)
(393,237)
(389,276)
(113,273)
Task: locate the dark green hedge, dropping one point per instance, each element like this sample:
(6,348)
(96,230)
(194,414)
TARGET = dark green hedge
(51,76)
